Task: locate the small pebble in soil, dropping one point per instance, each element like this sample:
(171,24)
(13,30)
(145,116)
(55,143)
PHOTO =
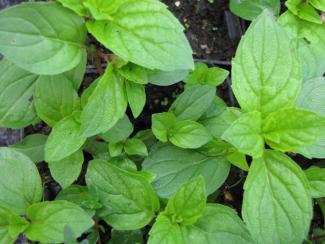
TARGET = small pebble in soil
(178,3)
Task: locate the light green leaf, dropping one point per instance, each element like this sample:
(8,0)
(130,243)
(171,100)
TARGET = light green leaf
(20,183)
(157,38)
(319,4)
(303,10)
(129,200)
(193,102)
(32,37)
(216,148)
(161,123)
(316,177)
(292,128)
(65,139)
(216,108)
(135,73)
(55,98)
(16,96)
(67,170)
(88,92)
(167,78)
(76,5)
(135,146)
(136,95)
(276,195)
(106,105)
(188,134)
(203,75)
(115,149)
(11,225)
(48,220)
(102,9)
(239,160)
(32,146)
(249,9)
(187,204)
(174,166)
(246,134)
(266,69)
(126,237)
(76,75)
(121,131)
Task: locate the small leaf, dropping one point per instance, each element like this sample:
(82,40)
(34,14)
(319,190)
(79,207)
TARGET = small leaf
(316,177)
(48,220)
(166,78)
(20,182)
(136,95)
(32,146)
(319,4)
(239,160)
(121,131)
(216,148)
(304,11)
(161,123)
(135,73)
(135,146)
(126,237)
(115,149)
(76,5)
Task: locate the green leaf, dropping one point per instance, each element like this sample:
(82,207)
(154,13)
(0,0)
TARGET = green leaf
(20,183)
(292,128)
(67,170)
(135,146)
(239,160)
(32,146)
(174,166)
(103,10)
(48,220)
(167,78)
(193,102)
(67,131)
(249,9)
(136,95)
(16,95)
(55,98)
(246,134)
(304,11)
(11,225)
(276,195)
(96,148)
(32,37)
(319,4)
(316,177)
(76,75)
(126,237)
(216,148)
(106,105)
(157,38)
(216,108)
(161,123)
(129,200)
(88,92)
(188,134)
(266,70)
(115,149)
(76,6)
(187,204)
(203,75)
(135,73)
(121,131)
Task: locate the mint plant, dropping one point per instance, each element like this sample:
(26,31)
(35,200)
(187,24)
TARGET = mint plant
(159,185)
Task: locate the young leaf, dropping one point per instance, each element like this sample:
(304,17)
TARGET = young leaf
(121,131)
(11,225)
(187,204)
(115,149)
(216,148)
(106,105)
(55,98)
(65,139)
(136,95)
(32,146)
(32,37)
(67,170)
(319,4)
(161,123)
(275,183)
(239,160)
(135,73)
(193,102)
(128,199)
(18,188)
(289,129)
(188,134)
(76,5)
(135,146)
(173,166)
(203,75)
(316,177)
(157,38)
(48,220)
(16,95)
(304,11)
(266,69)
(245,134)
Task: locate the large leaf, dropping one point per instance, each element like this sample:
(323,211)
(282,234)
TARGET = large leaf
(16,96)
(174,166)
(292,128)
(129,200)
(11,225)
(266,69)
(32,146)
(65,139)
(20,183)
(316,177)
(277,196)
(48,220)
(32,37)
(145,33)
(55,98)
(106,105)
